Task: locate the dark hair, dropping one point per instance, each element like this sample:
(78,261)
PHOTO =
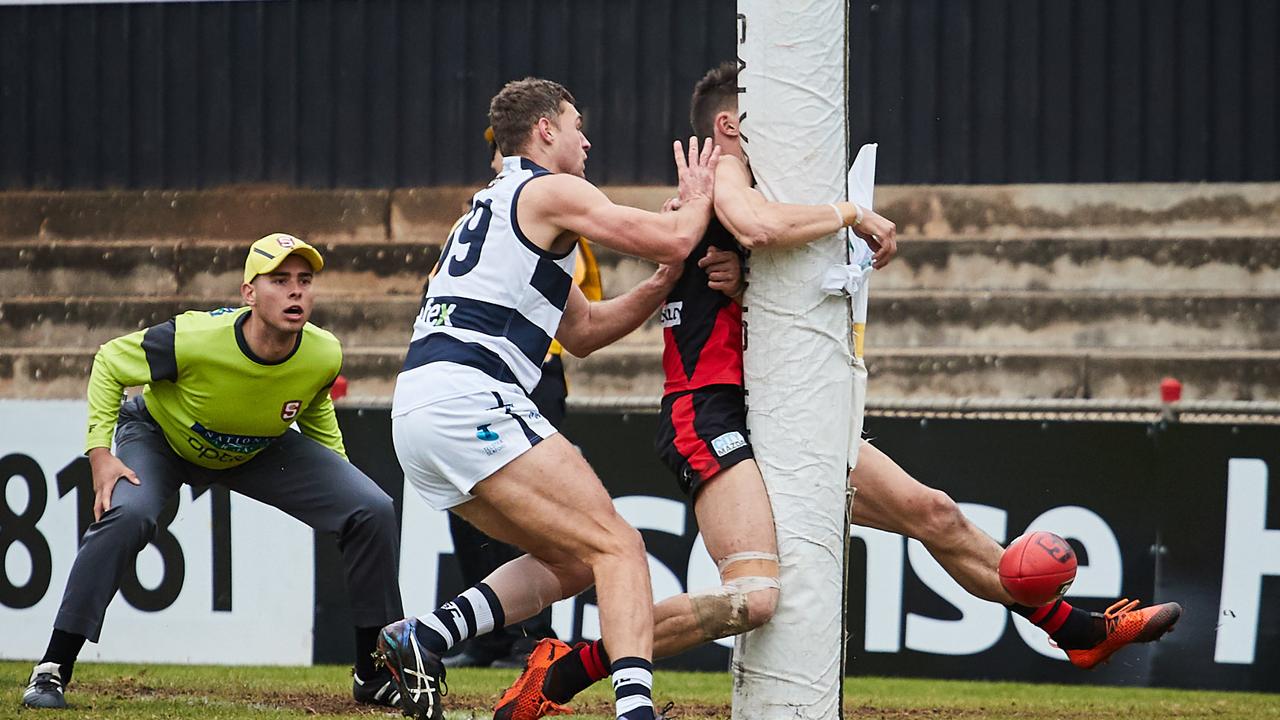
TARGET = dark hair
(518,107)
(715,92)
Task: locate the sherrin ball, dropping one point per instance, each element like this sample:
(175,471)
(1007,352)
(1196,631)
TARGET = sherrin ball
(1037,568)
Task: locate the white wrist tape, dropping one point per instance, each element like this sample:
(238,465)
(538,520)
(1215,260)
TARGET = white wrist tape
(839,216)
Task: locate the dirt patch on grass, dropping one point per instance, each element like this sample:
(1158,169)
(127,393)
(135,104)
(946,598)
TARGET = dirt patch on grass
(479,706)
(459,706)
(311,702)
(870,711)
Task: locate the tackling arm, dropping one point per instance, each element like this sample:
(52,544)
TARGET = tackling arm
(560,204)
(570,203)
(588,326)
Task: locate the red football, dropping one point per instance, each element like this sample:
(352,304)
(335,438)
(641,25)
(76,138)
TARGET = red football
(1037,568)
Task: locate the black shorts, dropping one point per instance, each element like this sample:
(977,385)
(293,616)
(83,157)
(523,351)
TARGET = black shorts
(701,432)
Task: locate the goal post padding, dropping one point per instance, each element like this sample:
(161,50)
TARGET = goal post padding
(798,358)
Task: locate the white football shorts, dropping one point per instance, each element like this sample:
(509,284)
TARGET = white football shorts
(448,446)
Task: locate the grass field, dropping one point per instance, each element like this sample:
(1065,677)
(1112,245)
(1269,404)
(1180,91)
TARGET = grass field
(168,691)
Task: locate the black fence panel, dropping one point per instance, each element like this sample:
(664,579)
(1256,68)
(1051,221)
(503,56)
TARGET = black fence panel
(1220,554)
(1188,513)
(1020,91)
(1156,511)
(393,93)
(333,93)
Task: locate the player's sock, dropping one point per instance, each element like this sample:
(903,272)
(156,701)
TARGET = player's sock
(1070,627)
(633,688)
(63,649)
(575,672)
(474,612)
(366,642)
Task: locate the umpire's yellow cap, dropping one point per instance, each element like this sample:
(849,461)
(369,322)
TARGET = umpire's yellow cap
(267,254)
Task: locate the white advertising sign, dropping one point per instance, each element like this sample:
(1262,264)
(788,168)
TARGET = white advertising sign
(246,599)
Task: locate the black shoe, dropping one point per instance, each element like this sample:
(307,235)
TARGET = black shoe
(519,654)
(418,673)
(467,658)
(45,688)
(380,689)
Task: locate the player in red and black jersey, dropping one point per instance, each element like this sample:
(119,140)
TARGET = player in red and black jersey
(703,438)
(703,427)
(702,326)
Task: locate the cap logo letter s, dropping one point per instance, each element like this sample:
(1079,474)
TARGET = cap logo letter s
(285,241)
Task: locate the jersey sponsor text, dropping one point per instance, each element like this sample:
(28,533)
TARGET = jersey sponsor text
(670,316)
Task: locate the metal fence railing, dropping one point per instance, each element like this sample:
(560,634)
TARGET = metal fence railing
(1215,412)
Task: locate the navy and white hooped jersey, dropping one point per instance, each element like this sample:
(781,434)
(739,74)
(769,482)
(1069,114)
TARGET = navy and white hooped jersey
(493,305)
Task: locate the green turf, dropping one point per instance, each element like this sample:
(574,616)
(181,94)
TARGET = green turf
(121,691)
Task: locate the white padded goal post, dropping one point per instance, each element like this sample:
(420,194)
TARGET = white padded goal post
(799,361)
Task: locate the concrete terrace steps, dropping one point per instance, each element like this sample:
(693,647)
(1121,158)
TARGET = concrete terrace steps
(213,268)
(45,321)
(240,214)
(997,372)
(1140,209)
(1001,291)
(1099,262)
(1120,320)
(233,214)
(63,371)
(631,370)
(196,268)
(898,318)
(203,268)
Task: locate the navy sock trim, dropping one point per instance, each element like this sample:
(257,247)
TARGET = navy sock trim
(630,662)
(446,618)
(468,614)
(495,607)
(631,690)
(430,639)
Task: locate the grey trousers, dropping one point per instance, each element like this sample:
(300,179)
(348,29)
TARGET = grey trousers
(295,474)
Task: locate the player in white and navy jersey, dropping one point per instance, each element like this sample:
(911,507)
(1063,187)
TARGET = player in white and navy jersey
(495,317)
(467,435)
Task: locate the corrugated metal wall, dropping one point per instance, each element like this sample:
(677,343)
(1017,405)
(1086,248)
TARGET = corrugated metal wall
(333,93)
(384,93)
(1013,91)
